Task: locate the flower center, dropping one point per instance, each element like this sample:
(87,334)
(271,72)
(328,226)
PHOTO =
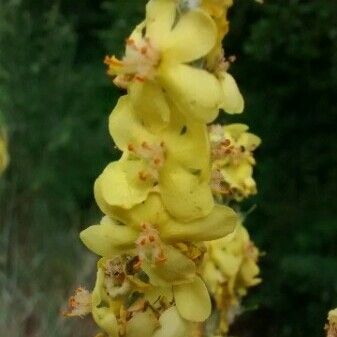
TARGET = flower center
(153,155)
(223,147)
(139,63)
(149,245)
(115,280)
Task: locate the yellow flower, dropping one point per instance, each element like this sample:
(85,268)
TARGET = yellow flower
(159,58)
(331,327)
(216,62)
(218,10)
(230,267)
(232,169)
(141,308)
(4,157)
(172,160)
(149,234)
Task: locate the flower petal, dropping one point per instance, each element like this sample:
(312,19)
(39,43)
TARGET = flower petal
(186,141)
(102,311)
(195,92)
(160,17)
(150,105)
(108,239)
(151,211)
(193,301)
(249,141)
(171,324)
(233,101)
(236,130)
(194,195)
(229,264)
(219,223)
(192,38)
(176,269)
(146,322)
(124,116)
(121,186)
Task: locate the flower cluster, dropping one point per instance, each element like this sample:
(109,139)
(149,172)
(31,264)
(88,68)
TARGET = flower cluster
(229,269)
(232,165)
(158,268)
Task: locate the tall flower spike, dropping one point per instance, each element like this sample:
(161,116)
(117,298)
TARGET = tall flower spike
(154,274)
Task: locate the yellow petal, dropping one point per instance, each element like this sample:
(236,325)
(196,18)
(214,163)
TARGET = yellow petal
(121,186)
(151,211)
(227,263)
(193,301)
(232,99)
(194,195)
(186,141)
(171,324)
(219,223)
(249,273)
(249,141)
(237,176)
(236,130)
(176,269)
(150,105)
(102,313)
(195,92)
(146,322)
(152,294)
(160,17)
(124,117)
(192,38)
(109,238)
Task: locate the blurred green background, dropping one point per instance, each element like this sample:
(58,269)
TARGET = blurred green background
(55,99)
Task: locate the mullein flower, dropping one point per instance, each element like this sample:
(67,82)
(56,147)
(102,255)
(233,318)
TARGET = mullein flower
(162,60)
(143,308)
(173,162)
(331,327)
(218,10)
(160,216)
(232,161)
(4,157)
(156,242)
(229,269)
(159,56)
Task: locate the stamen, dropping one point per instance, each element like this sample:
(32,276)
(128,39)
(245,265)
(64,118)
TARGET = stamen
(79,304)
(115,280)
(154,155)
(139,63)
(149,245)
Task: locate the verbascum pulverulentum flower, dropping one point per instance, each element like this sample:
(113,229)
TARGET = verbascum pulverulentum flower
(163,64)
(229,269)
(331,326)
(162,160)
(232,150)
(4,157)
(160,215)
